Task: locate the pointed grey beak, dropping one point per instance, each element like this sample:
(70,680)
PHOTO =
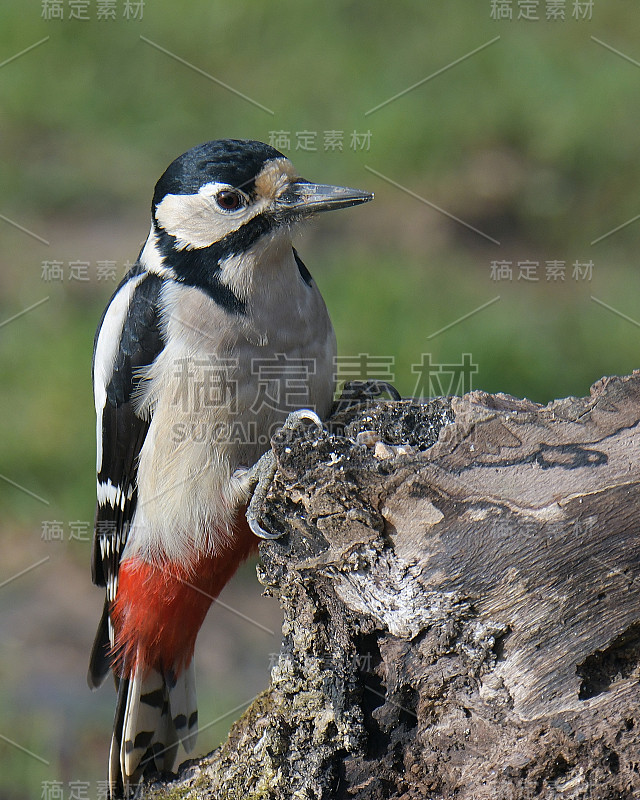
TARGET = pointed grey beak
(301,199)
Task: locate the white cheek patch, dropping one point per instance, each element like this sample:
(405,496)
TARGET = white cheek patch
(196,221)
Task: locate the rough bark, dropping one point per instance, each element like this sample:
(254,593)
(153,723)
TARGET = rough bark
(460,583)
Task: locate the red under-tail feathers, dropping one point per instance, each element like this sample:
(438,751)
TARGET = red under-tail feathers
(156,616)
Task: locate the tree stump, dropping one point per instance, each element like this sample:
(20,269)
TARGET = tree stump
(460,582)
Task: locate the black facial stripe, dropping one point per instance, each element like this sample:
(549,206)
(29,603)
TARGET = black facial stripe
(233,244)
(200,267)
(240,240)
(199,275)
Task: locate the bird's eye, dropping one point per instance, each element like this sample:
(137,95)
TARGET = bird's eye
(229,200)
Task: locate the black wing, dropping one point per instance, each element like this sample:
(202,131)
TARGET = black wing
(128,339)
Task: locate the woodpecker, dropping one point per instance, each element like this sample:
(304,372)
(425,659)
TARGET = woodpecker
(192,367)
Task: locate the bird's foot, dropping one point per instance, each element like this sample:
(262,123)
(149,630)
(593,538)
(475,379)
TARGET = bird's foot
(358,392)
(258,478)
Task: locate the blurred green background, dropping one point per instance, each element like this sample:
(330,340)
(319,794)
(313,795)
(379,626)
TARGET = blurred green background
(532,141)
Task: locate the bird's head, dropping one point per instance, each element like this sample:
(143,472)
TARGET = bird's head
(229,193)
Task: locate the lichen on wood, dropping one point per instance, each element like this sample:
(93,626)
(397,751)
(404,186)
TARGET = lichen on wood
(460,584)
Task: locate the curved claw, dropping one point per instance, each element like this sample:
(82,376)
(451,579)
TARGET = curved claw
(295,418)
(259,476)
(259,531)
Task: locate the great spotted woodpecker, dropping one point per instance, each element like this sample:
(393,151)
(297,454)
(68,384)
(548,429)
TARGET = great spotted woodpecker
(192,368)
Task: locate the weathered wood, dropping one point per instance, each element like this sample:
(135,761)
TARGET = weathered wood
(460,583)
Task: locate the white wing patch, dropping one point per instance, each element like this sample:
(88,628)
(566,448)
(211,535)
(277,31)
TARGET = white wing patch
(107,351)
(113,495)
